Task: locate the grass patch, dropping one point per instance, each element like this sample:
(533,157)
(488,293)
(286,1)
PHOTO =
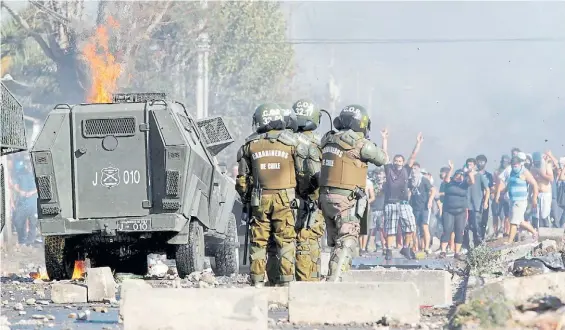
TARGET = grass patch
(483,260)
(486,313)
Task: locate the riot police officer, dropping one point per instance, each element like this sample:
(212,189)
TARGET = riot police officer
(343,177)
(310,225)
(267,180)
(273,261)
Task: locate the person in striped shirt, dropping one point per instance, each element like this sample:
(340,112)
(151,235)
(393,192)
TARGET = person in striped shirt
(516,183)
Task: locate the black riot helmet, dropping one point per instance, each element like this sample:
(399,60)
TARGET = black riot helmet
(355,118)
(290,118)
(307,114)
(269,116)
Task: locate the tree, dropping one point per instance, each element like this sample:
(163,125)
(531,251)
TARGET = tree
(251,62)
(151,46)
(56,27)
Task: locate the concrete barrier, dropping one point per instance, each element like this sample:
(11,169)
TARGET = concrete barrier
(519,289)
(68,293)
(346,302)
(555,234)
(101,284)
(277,295)
(434,285)
(202,309)
(131,284)
(517,251)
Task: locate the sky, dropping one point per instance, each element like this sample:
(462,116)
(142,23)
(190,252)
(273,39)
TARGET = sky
(466,98)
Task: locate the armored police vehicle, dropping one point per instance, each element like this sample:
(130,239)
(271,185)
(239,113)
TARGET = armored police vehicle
(119,180)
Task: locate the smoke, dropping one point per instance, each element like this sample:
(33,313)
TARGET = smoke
(467,98)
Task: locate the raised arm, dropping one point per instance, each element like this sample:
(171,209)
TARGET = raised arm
(555,161)
(416,150)
(447,178)
(384,135)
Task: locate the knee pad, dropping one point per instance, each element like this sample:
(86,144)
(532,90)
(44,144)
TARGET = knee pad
(257,253)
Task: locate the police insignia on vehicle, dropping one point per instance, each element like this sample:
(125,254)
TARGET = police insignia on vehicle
(110,177)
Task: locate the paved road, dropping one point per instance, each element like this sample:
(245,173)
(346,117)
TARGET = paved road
(19,288)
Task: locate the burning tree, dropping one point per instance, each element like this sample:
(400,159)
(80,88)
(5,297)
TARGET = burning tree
(150,46)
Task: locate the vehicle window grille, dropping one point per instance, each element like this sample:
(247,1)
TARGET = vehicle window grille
(108,126)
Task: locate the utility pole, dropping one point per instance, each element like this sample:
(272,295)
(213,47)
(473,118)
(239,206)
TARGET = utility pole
(333,88)
(203,46)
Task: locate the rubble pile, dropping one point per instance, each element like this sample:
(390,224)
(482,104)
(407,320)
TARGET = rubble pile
(524,292)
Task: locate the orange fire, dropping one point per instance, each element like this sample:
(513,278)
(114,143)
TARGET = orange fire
(104,68)
(39,275)
(80,269)
(78,272)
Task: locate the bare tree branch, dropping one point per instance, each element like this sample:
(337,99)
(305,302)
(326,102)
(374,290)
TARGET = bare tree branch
(52,13)
(36,36)
(100,12)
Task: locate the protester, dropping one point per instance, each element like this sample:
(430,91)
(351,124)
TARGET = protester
(501,207)
(24,215)
(455,202)
(558,191)
(478,196)
(542,171)
(377,208)
(486,217)
(516,182)
(421,200)
(397,207)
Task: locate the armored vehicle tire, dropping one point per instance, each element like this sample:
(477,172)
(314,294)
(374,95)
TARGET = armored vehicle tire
(59,261)
(190,257)
(226,254)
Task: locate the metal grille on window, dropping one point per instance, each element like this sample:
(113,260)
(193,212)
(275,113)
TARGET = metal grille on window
(12,132)
(137,97)
(108,126)
(45,191)
(216,134)
(172,185)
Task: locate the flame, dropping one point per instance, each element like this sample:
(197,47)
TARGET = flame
(79,270)
(104,69)
(39,275)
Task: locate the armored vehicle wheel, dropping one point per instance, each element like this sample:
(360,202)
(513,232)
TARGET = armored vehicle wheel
(190,257)
(227,253)
(59,261)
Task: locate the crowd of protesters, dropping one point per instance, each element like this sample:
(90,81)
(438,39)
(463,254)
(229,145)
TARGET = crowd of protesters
(525,192)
